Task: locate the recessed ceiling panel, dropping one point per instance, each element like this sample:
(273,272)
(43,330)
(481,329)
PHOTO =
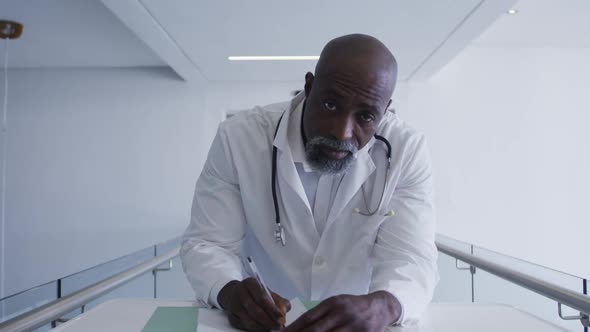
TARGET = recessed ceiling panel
(72,33)
(209,31)
(541,23)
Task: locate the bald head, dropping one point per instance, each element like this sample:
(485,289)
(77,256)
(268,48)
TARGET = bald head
(346,99)
(359,52)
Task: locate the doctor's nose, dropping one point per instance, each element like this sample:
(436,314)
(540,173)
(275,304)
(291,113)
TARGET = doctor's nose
(342,128)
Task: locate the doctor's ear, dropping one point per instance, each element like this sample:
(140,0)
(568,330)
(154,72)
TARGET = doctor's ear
(308,83)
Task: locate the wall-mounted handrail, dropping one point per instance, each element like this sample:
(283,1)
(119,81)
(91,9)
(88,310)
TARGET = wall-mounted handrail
(550,290)
(60,307)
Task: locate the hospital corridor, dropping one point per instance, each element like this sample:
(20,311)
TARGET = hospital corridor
(335,165)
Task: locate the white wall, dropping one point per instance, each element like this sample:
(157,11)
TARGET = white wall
(100,163)
(509,134)
(223,97)
(235,96)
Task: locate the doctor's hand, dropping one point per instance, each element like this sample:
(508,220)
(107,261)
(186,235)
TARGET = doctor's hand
(248,307)
(372,312)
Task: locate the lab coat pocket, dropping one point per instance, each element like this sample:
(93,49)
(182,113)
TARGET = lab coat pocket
(365,228)
(366,224)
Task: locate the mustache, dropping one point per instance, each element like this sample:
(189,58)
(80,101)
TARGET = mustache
(331,143)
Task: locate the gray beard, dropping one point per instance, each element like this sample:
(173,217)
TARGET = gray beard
(321,163)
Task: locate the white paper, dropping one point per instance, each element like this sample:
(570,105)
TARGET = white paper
(213,320)
(297,309)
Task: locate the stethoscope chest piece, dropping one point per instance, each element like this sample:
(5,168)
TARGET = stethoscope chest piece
(280,234)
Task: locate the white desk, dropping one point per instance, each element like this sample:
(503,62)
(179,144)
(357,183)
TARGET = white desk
(130,315)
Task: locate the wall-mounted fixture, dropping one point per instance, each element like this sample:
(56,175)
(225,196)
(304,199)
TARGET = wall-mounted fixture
(10,29)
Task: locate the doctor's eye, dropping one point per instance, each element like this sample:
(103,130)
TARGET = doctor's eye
(366,117)
(329,106)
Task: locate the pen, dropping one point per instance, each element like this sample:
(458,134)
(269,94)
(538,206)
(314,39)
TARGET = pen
(259,277)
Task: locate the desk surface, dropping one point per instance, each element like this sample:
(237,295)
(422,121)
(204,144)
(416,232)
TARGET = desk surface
(130,315)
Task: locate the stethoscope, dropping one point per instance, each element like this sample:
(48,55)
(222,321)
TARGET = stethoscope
(280,232)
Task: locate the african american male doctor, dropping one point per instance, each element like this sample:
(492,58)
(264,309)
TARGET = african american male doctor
(330,194)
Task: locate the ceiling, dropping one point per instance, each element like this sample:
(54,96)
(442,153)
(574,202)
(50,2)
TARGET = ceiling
(195,38)
(211,30)
(541,23)
(208,31)
(72,33)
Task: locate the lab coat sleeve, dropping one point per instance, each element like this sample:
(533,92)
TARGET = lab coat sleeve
(211,244)
(404,254)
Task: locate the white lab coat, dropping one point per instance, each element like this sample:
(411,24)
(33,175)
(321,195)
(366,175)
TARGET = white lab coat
(233,216)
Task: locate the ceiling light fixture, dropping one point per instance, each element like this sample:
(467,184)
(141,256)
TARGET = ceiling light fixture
(274,58)
(512,12)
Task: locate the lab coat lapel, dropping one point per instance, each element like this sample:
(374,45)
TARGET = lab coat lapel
(293,193)
(354,178)
(288,173)
(285,165)
(294,204)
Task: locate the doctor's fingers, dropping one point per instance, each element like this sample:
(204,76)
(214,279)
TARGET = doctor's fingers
(259,295)
(245,323)
(244,307)
(329,323)
(283,304)
(316,319)
(251,311)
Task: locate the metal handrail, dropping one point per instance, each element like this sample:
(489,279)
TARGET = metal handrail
(87,269)
(60,307)
(550,290)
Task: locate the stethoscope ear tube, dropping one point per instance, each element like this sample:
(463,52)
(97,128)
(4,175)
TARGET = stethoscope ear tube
(370,213)
(279,232)
(384,140)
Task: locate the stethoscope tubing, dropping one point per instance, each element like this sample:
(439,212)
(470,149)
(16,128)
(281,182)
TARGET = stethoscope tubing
(279,231)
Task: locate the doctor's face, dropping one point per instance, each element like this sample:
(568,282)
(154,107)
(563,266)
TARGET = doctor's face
(343,109)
